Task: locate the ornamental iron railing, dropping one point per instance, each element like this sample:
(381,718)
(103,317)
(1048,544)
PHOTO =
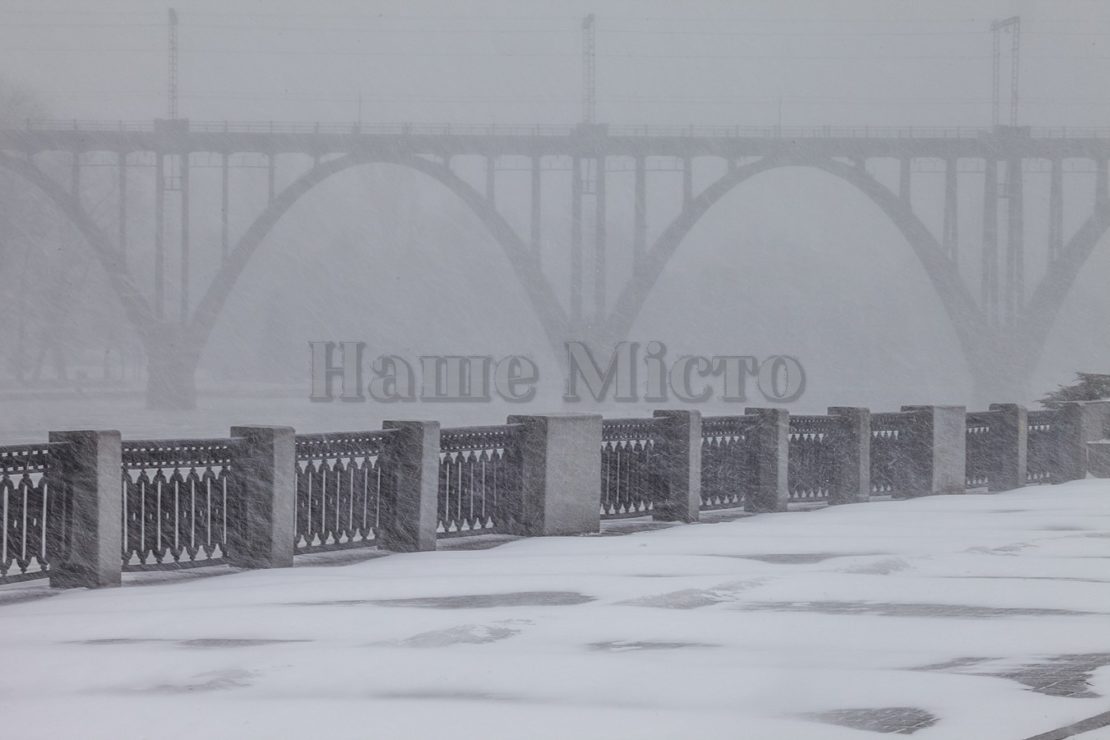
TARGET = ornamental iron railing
(812,457)
(176,495)
(727,461)
(890,452)
(1042,456)
(339,490)
(630,467)
(983,427)
(28,509)
(479,479)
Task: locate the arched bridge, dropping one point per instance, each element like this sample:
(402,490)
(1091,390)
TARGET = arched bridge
(998,315)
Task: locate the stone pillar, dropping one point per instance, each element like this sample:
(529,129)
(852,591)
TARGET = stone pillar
(263,499)
(771,442)
(1009,447)
(851,444)
(1080,422)
(85,471)
(560,474)
(937,450)
(410,462)
(1098,458)
(679,497)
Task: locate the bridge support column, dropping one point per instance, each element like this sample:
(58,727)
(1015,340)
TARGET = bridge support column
(170,372)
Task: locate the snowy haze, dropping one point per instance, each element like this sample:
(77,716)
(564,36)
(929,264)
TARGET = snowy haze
(792,262)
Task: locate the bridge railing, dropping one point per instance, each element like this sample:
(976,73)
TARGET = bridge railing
(192,502)
(557,130)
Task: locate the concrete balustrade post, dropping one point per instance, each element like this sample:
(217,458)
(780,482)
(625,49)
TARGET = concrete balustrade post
(679,440)
(409,493)
(770,490)
(937,450)
(262,505)
(851,446)
(1080,422)
(85,472)
(1098,458)
(560,474)
(1009,447)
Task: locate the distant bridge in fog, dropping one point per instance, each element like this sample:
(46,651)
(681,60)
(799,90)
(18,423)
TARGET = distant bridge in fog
(1002,322)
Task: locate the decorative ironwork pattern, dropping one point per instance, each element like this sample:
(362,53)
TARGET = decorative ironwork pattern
(812,459)
(889,453)
(339,486)
(1042,457)
(629,467)
(479,479)
(981,428)
(727,461)
(175,498)
(27,511)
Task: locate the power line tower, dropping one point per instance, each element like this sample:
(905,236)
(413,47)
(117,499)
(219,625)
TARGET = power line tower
(589,78)
(1011,25)
(172,89)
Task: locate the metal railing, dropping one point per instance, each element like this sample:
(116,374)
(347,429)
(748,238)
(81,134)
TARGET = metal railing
(339,486)
(727,461)
(889,452)
(479,479)
(629,467)
(176,495)
(812,457)
(563,130)
(1042,456)
(28,508)
(982,426)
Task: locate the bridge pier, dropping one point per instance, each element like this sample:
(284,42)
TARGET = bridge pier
(170,372)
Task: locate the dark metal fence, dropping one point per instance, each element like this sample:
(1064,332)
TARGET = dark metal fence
(982,428)
(27,509)
(812,457)
(175,502)
(339,486)
(1042,457)
(629,467)
(479,479)
(890,452)
(727,461)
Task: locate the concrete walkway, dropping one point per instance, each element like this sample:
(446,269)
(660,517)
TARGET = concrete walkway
(966,617)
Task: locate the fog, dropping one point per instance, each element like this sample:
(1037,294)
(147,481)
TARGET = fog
(793,261)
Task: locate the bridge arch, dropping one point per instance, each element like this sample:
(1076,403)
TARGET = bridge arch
(527,267)
(943,274)
(135,306)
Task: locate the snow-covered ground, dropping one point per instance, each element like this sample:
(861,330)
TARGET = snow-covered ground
(969,617)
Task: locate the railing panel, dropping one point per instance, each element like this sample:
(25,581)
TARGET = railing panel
(175,499)
(629,467)
(28,509)
(982,430)
(812,459)
(479,479)
(339,488)
(727,461)
(1043,457)
(890,454)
